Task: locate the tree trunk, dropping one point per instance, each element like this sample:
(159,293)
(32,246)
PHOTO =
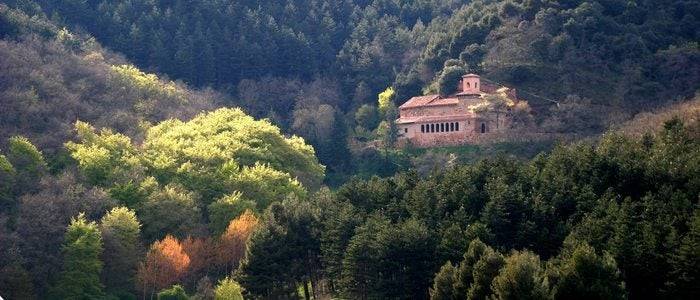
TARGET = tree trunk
(306,290)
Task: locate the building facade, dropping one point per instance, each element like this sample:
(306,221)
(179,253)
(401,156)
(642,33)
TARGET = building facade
(464,117)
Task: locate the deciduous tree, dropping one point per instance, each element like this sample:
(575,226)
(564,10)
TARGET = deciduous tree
(232,245)
(165,263)
(227,289)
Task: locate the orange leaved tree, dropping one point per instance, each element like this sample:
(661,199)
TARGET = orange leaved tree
(233,240)
(165,263)
(202,254)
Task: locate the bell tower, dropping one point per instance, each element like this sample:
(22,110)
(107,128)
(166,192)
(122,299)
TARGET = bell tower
(471,84)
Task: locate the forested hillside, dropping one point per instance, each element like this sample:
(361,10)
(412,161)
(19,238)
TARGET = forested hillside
(231,149)
(310,66)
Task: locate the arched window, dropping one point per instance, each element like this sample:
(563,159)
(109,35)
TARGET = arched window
(476,85)
(442,127)
(483,128)
(405,130)
(457,126)
(432,127)
(467,84)
(422,128)
(452,126)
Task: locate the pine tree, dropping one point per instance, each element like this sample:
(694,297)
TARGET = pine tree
(520,278)
(120,232)
(464,274)
(80,278)
(484,271)
(584,274)
(443,284)
(686,263)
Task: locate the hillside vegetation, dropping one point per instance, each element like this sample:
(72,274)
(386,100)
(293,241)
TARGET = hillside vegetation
(185,150)
(651,122)
(52,77)
(311,66)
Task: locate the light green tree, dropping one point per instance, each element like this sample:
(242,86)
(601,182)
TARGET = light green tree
(80,277)
(176,292)
(120,231)
(7,179)
(385,101)
(105,158)
(227,289)
(170,210)
(520,278)
(227,208)
(28,163)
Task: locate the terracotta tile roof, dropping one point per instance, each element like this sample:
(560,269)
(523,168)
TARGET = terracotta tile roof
(429,100)
(426,119)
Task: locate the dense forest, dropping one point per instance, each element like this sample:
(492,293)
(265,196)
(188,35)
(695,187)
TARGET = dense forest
(311,66)
(231,149)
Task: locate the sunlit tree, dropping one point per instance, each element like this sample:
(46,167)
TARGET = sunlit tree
(80,277)
(165,263)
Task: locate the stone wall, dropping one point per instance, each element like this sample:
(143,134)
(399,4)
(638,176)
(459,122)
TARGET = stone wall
(469,132)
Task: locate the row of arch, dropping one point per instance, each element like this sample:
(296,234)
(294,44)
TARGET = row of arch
(439,127)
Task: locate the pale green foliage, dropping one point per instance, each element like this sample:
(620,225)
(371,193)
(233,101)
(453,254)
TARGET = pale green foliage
(520,278)
(80,278)
(105,158)
(28,162)
(21,149)
(224,137)
(212,155)
(121,222)
(176,292)
(172,210)
(120,231)
(227,208)
(151,90)
(583,274)
(5,165)
(227,289)
(386,101)
(497,103)
(145,82)
(7,178)
(265,185)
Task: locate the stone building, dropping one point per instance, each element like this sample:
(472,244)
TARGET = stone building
(465,117)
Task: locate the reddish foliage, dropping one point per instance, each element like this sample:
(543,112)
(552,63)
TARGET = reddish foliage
(202,253)
(233,241)
(165,264)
